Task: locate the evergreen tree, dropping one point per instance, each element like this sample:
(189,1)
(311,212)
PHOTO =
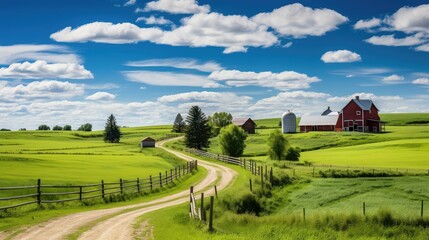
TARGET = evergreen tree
(111,131)
(179,125)
(198,130)
(231,140)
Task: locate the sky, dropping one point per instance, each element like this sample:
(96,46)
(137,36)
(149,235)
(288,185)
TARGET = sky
(75,62)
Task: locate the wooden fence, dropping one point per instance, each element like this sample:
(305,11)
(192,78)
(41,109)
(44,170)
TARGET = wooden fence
(39,193)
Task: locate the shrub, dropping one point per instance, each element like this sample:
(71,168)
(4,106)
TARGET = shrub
(231,140)
(4,129)
(67,128)
(246,203)
(277,144)
(57,128)
(293,154)
(87,127)
(44,127)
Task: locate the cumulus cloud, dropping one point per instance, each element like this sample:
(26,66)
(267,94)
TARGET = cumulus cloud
(393,78)
(367,24)
(423,48)
(49,53)
(129,3)
(283,81)
(340,56)
(152,20)
(177,6)
(40,89)
(391,40)
(204,96)
(363,95)
(101,96)
(106,32)
(299,21)
(422,81)
(183,63)
(170,79)
(42,69)
(410,19)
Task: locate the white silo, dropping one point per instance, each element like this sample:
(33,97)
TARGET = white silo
(288,122)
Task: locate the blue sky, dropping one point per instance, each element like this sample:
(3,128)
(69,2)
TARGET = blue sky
(72,62)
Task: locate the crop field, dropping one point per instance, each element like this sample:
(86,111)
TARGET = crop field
(79,157)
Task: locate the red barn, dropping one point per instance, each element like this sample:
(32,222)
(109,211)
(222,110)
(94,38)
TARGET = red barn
(360,115)
(247,124)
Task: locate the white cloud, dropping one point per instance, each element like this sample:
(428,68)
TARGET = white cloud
(106,32)
(410,19)
(130,3)
(363,95)
(367,24)
(340,56)
(393,78)
(40,89)
(298,21)
(101,96)
(49,53)
(284,80)
(170,79)
(224,97)
(185,63)
(288,45)
(422,81)
(42,69)
(233,32)
(423,48)
(177,6)
(391,40)
(152,20)
(362,72)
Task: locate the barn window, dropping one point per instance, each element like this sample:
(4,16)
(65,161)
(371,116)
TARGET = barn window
(358,113)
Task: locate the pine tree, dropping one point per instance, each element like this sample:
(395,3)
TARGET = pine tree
(111,131)
(179,124)
(198,130)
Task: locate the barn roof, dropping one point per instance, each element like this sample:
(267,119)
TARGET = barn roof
(241,121)
(327,111)
(363,103)
(148,139)
(326,120)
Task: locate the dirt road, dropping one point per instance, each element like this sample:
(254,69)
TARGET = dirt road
(117,223)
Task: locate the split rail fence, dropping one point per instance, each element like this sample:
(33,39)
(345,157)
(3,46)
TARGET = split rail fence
(40,194)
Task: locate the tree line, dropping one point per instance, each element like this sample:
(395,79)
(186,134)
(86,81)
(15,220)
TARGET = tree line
(199,129)
(87,127)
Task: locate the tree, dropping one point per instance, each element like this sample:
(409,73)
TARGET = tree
(277,145)
(198,130)
(57,128)
(44,127)
(67,128)
(22,129)
(293,154)
(5,130)
(87,127)
(231,140)
(111,130)
(219,120)
(179,125)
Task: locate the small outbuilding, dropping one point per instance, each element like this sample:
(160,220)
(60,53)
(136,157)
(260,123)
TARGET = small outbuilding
(147,142)
(320,123)
(288,122)
(247,124)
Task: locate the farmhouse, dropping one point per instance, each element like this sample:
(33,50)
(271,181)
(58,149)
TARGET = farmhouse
(247,124)
(147,142)
(358,115)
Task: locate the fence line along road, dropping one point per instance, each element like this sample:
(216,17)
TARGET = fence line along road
(39,193)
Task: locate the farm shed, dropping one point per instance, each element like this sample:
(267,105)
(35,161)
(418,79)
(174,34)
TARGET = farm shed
(288,122)
(320,123)
(147,142)
(361,115)
(247,124)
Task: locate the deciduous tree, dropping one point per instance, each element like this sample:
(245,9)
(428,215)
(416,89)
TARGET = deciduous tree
(231,140)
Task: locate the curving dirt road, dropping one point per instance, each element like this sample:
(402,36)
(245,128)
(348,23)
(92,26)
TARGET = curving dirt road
(117,223)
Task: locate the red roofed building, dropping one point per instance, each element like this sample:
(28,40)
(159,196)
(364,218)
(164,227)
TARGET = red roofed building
(360,115)
(247,124)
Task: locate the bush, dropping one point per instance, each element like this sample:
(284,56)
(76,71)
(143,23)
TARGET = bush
(44,127)
(277,144)
(57,128)
(231,140)
(4,129)
(246,203)
(293,154)
(22,129)
(87,127)
(67,128)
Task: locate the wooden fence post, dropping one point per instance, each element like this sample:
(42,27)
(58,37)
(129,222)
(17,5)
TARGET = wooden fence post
(121,186)
(171,175)
(244,164)
(179,171)
(150,181)
(364,208)
(183,168)
(211,213)
(138,185)
(175,172)
(262,178)
(271,176)
(421,211)
(191,191)
(202,209)
(39,192)
(166,177)
(196,165)
(266,172)
(102,189)
(303,213)
(160,180)
(250,185)
(215,190)
(80,193)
